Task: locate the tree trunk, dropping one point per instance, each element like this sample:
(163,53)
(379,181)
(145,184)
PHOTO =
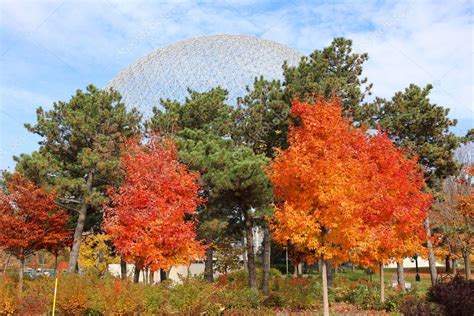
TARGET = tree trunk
(209,264)
(467,266)
(6,264)
(447,263)
(20,276)
(382,284)
(250,252)
(295,270)
(162,275)
(123,269)
(55,265)
(76,246)
(244,243)
(136,274)
(431,256)
(325,288)
(400,276)
(330,268)
(267,244)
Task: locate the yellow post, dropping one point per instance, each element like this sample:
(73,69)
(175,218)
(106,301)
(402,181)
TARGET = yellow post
(55,292)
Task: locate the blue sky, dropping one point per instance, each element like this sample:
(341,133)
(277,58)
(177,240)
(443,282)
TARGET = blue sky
(48,49)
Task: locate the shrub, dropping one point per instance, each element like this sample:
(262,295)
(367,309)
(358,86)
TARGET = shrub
(456,295)
(37,296)
(275,299)
(73,290)
(238,279)
(191,297)
(8,296)
(242,299)
(416,306)
(275,273)
(365,295)
(154,299)
(298,293)
(117,297)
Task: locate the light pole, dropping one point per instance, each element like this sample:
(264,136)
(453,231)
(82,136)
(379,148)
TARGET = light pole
(417,277)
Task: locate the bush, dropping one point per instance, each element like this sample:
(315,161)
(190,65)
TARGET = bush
(8,296)
(275,299)
(275,273)
(242,299)
(416,306)
(154,298)
(191,297)
(73,294)
(456,295)
(116,296)
(365,295)
(298,293)
(37,296)
(239,278)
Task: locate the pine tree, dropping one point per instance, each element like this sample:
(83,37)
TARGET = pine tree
(81,141)
(334,70)
(262,123)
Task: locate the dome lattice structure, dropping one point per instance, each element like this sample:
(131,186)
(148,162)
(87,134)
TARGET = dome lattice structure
(201,63)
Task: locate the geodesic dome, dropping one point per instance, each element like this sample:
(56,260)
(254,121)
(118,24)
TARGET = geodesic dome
(201,63)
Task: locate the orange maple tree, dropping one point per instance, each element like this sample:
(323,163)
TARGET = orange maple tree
(394,217)
(345,195)
(30,219)
(149,217)
(320,180)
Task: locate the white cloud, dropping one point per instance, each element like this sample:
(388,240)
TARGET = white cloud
(53,47)
(25,100)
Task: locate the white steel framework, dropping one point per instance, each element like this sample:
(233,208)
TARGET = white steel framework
(200,63)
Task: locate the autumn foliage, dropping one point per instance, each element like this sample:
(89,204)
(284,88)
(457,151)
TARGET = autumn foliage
(344,195)
(30,219)
(320,181)
(150,215)
(393,221)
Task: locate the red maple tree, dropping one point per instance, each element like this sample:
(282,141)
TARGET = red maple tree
(149,217)
(30,219)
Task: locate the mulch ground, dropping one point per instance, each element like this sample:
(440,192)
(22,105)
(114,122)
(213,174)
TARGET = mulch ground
(335,309)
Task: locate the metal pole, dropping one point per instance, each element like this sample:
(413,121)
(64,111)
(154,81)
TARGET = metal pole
(55,292)
(417,277)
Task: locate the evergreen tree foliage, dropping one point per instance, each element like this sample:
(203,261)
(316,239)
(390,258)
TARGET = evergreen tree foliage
(419,125)
(80,150)
(334,70)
